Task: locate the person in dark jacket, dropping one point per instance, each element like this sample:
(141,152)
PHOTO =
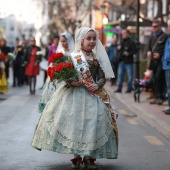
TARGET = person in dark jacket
(24,78)
(127,49)
(16,63)
(166,67)
(17,69)
(112,52)
(156,50)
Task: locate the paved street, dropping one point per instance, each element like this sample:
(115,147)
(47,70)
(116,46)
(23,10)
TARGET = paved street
(141,147)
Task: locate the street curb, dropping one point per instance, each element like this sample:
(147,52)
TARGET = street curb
(148,117)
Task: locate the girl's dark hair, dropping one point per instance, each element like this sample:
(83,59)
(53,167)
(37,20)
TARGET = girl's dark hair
(56,36)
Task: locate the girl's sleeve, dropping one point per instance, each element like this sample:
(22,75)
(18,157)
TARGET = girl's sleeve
(101,80)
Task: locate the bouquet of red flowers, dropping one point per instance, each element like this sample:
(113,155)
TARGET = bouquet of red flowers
(2,57)
(62,68)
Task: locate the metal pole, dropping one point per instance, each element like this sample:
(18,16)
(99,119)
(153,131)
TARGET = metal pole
(136,68)
(102,31)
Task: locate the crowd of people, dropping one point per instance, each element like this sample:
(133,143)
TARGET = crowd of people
(23,61)
(64,126)
(157,67)
(77,117)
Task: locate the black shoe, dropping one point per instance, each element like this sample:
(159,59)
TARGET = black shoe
(41,88)
(159,101)
(167,111)
(118,91)
(113,84)
(32,92)
(128,91)
(154,101)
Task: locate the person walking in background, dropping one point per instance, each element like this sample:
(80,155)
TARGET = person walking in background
(5,50)
(53,46)
(127,49)
(14,51)
(32,68)
(166,67)
(17,68)
(47,49)
(156,50)
(24,78)
(112,52)
(66,46)
(15,62)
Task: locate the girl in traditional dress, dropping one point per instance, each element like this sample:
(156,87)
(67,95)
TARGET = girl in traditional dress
(66,46)
(3,80)
(79,119)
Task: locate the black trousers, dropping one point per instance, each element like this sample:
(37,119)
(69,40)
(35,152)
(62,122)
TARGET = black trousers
(115,70)
(159,80)
(17,75)
(24,78)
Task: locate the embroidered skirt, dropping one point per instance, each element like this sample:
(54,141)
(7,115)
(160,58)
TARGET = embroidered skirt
(74,122)
(48,89)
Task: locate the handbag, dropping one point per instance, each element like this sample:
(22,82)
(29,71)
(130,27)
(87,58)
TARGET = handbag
(150,59)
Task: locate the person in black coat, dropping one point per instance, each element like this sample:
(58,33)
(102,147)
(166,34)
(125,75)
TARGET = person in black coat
(112,52)
(24,78)
(16,63)
(17,68)
(155,52)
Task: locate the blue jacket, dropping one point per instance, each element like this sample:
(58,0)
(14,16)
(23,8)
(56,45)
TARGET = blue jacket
(166,56)
(112,52)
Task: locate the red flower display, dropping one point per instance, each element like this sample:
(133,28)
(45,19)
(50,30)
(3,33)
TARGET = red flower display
(62,68)
(2,57)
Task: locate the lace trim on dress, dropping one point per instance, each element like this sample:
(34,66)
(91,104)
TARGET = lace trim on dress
(78,145)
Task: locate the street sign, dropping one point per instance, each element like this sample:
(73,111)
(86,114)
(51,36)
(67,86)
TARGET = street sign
(110,31)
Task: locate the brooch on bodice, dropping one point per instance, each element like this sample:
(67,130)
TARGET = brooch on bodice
(95,62)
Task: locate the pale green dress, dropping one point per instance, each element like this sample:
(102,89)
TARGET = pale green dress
(74,122)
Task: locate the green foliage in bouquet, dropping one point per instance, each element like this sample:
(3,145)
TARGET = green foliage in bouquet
(10,56)
(39,56)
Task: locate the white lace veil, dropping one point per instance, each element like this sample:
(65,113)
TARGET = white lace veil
(70,42)
(99,50)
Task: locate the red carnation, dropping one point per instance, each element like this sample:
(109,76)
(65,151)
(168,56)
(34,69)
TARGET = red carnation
(58,55)
(52,58)
(59,67)
(51,72)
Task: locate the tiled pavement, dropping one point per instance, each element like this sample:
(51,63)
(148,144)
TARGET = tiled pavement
(152,114)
